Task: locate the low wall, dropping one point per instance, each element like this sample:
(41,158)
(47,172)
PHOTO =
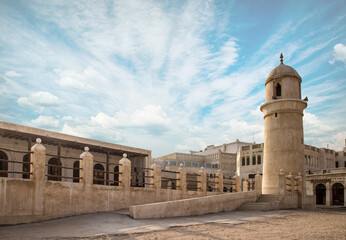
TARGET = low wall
(193,206)
(19,199)
(37,199)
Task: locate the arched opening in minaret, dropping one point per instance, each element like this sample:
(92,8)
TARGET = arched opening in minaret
(278,90)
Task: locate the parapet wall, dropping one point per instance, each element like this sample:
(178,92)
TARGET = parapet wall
(37,198)
(194,206)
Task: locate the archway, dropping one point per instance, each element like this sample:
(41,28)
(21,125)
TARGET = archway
(321,194)
(99,174)
(3,164)
(338,194)
(54,169)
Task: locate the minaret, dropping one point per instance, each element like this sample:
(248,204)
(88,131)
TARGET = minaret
(283,127)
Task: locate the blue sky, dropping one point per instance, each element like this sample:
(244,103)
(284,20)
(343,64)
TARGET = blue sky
(169,76)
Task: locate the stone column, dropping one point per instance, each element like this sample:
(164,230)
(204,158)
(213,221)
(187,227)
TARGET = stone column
(157,180)
(157,175)
(258,182)
(125,170)
(38,169)
(219,181)
(236,179)
(202,181)
(182,179)
(328,193)
(245,185)
(86,171)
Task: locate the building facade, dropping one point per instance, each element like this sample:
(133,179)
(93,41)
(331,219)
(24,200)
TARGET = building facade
(63,155)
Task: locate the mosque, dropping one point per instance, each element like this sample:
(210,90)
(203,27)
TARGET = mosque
(45,175)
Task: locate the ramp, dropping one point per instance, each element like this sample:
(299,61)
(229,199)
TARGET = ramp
(193,206)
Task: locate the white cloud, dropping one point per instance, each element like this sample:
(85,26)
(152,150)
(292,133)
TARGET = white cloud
(235,129)
(151,119)
(338,141)
(313,126)
(39,99)
(12,74)
(149,115)
(320,134)
(180,147)
(44,122)
(339,53)
(88,80)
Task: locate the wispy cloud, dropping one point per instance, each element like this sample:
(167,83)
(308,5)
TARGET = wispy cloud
(12,74)
(163,75)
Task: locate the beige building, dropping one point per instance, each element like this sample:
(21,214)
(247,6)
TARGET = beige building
(63,155)
(212,158)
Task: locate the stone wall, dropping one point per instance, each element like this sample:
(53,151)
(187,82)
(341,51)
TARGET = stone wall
(37,199)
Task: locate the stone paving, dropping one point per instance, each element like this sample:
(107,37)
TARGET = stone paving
(118,225)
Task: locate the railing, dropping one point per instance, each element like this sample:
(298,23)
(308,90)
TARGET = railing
(211,182)
(58,156)
(55,172)
(101,176)
(4,168)
(140,178)
(228,184)
(168,182)
(192,182)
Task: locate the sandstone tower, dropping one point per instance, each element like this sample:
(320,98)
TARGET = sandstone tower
(283,127)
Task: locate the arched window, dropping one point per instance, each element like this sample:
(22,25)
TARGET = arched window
(3,164)
(99,174)
(259,161)
(54,169)
(248,161)
(278,90)
(254,160)
(243,161)
(76,171)
(116,175)
(26,166)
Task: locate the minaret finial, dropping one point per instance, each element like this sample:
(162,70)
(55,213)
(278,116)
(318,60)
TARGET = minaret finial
(282,59)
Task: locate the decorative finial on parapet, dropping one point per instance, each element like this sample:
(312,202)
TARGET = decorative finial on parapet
(282,58)
(86,149)
(124,155)
(38,140)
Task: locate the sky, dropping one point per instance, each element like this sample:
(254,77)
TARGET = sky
(169,76)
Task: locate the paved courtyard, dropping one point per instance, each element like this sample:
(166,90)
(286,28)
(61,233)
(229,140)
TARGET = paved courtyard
(280,224)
